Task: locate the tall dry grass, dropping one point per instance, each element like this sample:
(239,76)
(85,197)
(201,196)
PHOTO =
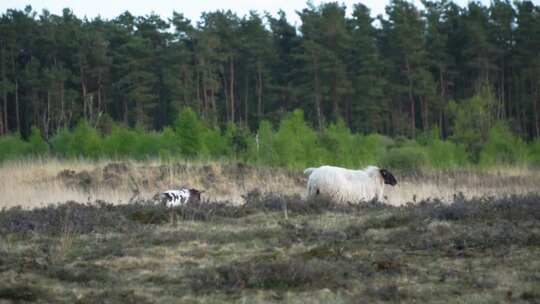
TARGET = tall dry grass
(38,182)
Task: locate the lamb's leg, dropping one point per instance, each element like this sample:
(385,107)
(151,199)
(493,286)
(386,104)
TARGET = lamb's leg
(173,217)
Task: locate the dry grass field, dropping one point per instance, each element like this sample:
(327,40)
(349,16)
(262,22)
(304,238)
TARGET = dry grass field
(42,182)
(478,243)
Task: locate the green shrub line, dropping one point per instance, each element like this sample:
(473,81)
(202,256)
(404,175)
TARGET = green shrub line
(293,144)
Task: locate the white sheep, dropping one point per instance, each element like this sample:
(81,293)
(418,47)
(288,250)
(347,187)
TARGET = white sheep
(179,197)
(344,185)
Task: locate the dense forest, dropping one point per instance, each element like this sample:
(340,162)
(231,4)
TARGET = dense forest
(412,70)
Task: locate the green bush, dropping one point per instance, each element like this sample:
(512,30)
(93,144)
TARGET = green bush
(36,145)
(471,120)
(236,141)
(189,130)
(502,147)
(534,154)
(120,142)
(168,141)
(12,146)
(442,154)
(85,141)
(296,143)
(405,158)
(61,143)
(148,144)
(446,154)
(339,146)
(264,144)
(213,143)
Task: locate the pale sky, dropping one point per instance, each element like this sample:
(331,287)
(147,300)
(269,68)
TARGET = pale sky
(192,9)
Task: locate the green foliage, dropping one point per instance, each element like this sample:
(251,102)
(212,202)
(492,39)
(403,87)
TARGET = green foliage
(446,154)
(12,146)
(534,154)
(296,143)
(189,130)
(472,119)
(214,144)
(502,147)
(121,142)
(61,143)
(442,154)
(84,141)
(264,144)
(391,75)
(407,158)
(37,146)
(236,141)
(169,142)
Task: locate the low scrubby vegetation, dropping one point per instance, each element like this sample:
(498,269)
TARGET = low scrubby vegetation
(293,144)
(274,248)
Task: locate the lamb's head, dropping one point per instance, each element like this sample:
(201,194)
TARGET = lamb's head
(388,177)
(195,195)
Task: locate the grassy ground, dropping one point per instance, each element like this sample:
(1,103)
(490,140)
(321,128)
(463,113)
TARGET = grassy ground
(41,182)
(255,239)
(471,251)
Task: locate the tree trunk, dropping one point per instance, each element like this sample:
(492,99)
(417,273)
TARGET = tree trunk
(47,116)
(226,94)
(536,122)
(411,100)
(425,114)
(125,102)
(5,126)
(335,101)
(259,91)
(185,86)
(15,76)
(246,98)
(204,91)
(1,125)
(231,89)
(442,101)
(62,119)
(198,92)
(213,104)
(17,115)
(348,110)
(317,92)
(99,105)
(83,89)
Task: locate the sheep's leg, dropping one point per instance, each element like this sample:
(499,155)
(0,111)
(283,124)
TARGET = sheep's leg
(380,196)
(173,217)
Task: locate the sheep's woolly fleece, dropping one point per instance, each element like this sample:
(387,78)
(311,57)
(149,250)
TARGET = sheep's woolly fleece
(345,185)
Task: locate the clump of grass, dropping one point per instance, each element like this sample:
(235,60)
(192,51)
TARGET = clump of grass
(287,274)
(390,292)
(80,218)
(79,273)
(23,292)
(115,295)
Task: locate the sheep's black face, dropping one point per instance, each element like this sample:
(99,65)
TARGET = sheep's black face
(195,194)
(388,177)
